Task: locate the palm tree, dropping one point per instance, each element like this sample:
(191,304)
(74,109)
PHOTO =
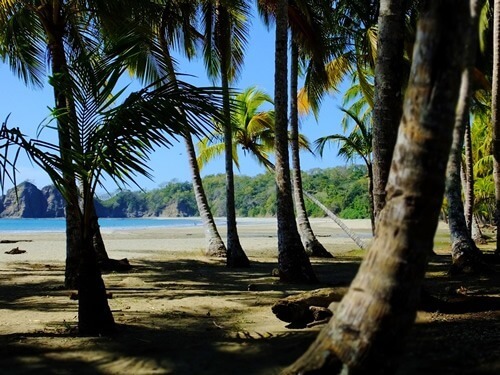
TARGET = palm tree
(357,144)
(225,30)
(65,29)
(369,325)
(113,141)
(293,263)
(252,128)
(159,27)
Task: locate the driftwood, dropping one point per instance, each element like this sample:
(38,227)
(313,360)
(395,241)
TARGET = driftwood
(15,251)
(301,309)
(317,306)
(14,241)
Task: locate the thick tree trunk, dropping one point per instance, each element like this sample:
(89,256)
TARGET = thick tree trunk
(94,314)
(388,97)
(236,257)
(368,328)
(495,116)
(311,244)
(293,263)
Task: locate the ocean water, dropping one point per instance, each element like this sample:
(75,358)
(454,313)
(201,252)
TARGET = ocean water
(59,225)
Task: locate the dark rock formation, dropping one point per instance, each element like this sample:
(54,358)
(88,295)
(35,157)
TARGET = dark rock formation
(27,202)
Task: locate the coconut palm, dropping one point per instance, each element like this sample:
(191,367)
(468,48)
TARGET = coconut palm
(113,142)
(369,325)
(253,130)
(63,30)
(225,31)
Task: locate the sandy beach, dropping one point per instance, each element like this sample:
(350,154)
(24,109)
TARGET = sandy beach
(178,312)
(257,235)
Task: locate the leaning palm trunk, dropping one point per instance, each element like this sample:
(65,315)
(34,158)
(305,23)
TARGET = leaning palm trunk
(312,246)
(388,98)
(293,263)
(367,330)
(465,254)
(495,116)
(215,246)
(353,236)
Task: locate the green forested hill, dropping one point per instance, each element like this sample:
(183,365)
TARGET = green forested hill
(342,189)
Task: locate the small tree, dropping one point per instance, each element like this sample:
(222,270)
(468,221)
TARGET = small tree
(114,142)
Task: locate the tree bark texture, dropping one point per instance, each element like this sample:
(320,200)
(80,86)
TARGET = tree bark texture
(94,314)
(368,328)
(236,257)
(388,96)
(495,116)
(469,177)
(311,244)
(293,263)
(53,22)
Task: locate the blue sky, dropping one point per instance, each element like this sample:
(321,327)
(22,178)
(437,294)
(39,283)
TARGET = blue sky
(28,107)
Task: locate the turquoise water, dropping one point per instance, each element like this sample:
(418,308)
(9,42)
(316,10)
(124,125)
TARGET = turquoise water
(58,225)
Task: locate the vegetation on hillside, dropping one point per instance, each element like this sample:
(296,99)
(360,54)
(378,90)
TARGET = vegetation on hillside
(343,189)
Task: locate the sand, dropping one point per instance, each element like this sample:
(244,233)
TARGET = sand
(178,312)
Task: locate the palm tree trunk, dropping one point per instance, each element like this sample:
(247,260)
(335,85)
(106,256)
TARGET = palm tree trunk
(293,263)
(55,31)
(366,333)
(465,254)
(388,96)
(215,246)
(82,271)
(312,246)
(236,257)
(469,178)
(94,314)
(495,116)
(353,236)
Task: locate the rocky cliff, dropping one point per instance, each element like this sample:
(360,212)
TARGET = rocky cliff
(30,202)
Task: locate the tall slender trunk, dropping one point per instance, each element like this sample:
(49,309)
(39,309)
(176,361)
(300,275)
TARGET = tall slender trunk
(469,177)
(312,246)
(388,97)
(215,245)
(366,333)
(236,257)
(353,236)
(495,116)
(54,28)
(464,252)
(293,263)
